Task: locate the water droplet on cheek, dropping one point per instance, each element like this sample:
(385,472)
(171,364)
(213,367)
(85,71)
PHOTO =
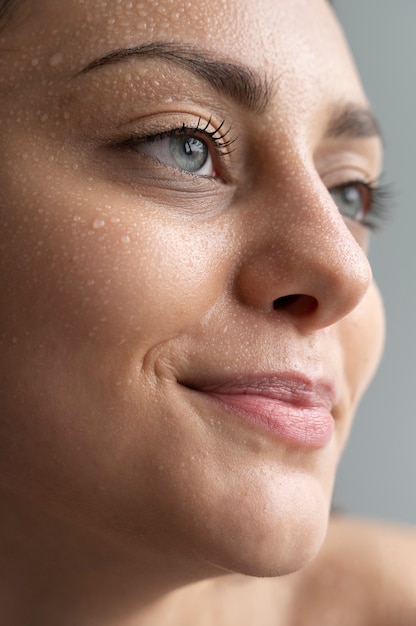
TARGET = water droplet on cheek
(98,223)
(56,59)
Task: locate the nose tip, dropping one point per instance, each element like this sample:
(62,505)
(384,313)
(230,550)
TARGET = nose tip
(328,295)
(316,274)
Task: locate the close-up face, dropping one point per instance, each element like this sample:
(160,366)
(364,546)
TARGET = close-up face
(189,318)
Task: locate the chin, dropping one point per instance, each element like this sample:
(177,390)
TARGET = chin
(285,549)
(266,534)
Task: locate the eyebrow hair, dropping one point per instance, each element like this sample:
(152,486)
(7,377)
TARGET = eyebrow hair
(353,121)
(239,82)
(7,7)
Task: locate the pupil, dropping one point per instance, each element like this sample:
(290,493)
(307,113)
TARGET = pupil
(189,153)
(351,195)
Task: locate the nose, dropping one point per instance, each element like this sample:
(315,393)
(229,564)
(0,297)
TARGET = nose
(301,259)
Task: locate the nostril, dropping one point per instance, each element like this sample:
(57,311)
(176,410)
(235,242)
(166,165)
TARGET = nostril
(285,301)
(297,304)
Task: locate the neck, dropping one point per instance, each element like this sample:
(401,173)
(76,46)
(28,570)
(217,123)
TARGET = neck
(53,572)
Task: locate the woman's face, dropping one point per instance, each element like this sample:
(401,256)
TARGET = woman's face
(188,317)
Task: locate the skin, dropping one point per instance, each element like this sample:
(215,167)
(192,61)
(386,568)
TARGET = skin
(125,278)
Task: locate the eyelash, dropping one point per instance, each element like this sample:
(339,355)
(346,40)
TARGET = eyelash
(216,137)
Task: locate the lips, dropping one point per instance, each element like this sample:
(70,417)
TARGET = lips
(291,407)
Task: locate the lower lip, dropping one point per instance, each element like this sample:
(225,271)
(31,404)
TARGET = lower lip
(301,426)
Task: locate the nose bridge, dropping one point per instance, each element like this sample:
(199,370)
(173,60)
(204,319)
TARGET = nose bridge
(306,254)
(329,252)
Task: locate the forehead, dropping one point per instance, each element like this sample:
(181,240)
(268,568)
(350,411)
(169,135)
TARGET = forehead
(284,39)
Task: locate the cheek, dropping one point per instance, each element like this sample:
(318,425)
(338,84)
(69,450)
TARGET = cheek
(92,281)
(100,265)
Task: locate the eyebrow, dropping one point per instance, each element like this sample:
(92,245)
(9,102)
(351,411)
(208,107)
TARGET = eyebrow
(354,122)
(241,83)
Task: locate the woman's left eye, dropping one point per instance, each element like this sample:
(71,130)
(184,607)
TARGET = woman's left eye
(182,151)
(354,200)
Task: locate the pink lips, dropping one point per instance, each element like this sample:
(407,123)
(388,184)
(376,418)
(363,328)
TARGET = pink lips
(292,407)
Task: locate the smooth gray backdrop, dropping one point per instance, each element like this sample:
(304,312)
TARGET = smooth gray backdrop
(378,471)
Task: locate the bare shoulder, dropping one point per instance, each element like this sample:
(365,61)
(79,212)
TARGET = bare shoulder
(364,575)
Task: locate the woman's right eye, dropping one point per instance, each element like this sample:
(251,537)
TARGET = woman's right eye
(179,150)
(193,150)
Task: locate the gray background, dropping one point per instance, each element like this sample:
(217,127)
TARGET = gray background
(377,474)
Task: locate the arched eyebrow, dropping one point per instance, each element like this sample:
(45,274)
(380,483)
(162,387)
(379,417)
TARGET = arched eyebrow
(354,122)
(241,83)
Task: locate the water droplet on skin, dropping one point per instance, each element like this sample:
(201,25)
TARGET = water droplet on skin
(125,239)
(56,59)
(98,223)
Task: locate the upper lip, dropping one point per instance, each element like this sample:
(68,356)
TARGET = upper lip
(291,388)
